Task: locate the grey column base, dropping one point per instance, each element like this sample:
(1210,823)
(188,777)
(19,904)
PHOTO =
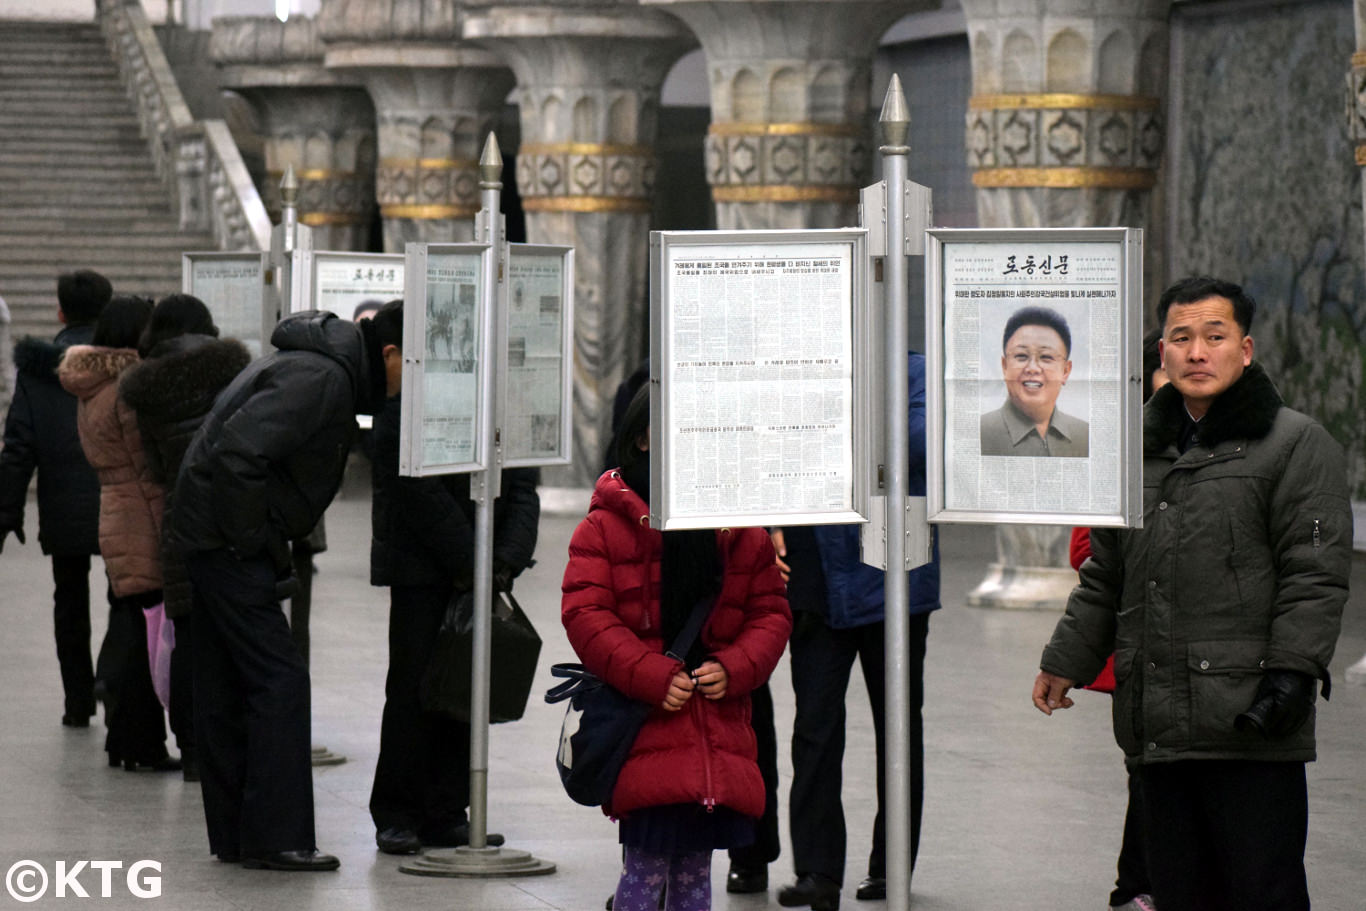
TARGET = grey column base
(1024,587)
(470,862)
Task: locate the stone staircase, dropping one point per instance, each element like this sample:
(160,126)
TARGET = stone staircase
(78,187)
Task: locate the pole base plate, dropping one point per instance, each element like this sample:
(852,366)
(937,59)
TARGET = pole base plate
(476,863)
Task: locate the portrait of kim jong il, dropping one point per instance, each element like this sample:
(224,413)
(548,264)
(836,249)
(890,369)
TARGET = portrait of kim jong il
(1036,348)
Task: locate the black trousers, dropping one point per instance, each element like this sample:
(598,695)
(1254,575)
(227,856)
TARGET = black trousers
(251,710)
(822,659)
(1132,867)
(181,710)
(71,625)
(1227,834)
(422,777)
(136,720)
(765,848)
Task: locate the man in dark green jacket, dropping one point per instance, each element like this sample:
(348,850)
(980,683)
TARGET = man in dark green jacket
(1222,611)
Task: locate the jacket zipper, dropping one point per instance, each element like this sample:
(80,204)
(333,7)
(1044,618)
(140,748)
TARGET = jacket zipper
(1316,534)
(708,798)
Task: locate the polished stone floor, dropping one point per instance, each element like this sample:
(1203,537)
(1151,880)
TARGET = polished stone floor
(1022,812)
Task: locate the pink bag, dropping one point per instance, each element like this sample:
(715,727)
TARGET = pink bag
(160,644)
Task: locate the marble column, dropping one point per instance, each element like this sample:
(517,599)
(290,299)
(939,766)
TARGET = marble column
(1064,129)
(1356,114)
(588,80)
(436,99)
(312,119)
(789,143)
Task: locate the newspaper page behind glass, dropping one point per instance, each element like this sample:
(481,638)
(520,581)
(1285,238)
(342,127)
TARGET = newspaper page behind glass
(1032,416)
(340,282)
(760,380)
(449,373)
(535,355)
(234,291)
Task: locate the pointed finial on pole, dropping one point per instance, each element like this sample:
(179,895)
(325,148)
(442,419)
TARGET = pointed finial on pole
(896,117)
(289,207)
(491,163)
(289,187)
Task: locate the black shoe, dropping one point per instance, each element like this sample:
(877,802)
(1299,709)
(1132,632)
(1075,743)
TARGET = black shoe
(292,860)
(398,840)
(872,889)
(75,721)
(746,880)
(164,764)
(457,836)
(820,892)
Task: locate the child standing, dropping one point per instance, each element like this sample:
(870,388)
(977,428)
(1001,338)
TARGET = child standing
(691,783)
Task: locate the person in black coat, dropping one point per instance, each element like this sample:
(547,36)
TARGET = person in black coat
(259,472)
(40,433)
(422,547)
(184,367)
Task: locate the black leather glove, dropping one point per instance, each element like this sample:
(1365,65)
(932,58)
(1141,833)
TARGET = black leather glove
(1284,702)
(503,575)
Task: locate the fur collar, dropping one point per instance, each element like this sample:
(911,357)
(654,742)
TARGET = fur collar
(181,378)
(85,369)
(38,359)
(1246,410)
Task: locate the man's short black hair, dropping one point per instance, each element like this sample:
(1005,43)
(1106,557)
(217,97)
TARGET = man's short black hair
(388,321)
(82,295)
(1197,288)
(1039,316)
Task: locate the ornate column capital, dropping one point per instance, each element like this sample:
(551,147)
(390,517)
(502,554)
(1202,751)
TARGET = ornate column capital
(788,143)
(1066,100)
(588,75)
(436,97)
(314,119)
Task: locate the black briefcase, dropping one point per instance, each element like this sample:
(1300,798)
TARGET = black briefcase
(516,647)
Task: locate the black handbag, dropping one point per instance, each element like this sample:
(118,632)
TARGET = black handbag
(601,723)
(445,687)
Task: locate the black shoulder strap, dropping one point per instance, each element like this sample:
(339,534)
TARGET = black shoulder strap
(688,634)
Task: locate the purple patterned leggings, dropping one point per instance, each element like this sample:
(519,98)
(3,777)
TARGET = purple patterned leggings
(687,877)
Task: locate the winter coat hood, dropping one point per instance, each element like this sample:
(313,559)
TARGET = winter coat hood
(86,369)
(345,342)
(38,359)
(181,376)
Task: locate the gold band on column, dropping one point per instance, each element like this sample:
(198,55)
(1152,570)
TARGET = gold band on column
(429,164)
(1064,101)
(313,174)
(1359,58)
(1066,178)
(428,212)
(585,204)
(584,148)
(1361,155)
(784,193)
(320,219)
(785,129)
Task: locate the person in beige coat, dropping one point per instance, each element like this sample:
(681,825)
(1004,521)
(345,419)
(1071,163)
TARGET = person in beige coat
(129,531)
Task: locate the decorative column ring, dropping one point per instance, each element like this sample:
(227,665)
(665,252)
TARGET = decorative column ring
(420,188)
(1356,105)
(327,196)
(785,162)
(1069,141)
(585,177)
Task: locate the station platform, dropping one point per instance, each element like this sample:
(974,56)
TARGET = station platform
(1022,812)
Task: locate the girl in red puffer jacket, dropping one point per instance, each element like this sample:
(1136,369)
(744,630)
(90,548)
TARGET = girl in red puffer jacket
(691,783)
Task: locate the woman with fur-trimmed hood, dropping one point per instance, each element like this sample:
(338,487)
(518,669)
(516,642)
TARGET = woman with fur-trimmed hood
(185,365)
(130,523)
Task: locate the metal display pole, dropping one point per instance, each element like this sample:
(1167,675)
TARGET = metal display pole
(477,859)
(896,122)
